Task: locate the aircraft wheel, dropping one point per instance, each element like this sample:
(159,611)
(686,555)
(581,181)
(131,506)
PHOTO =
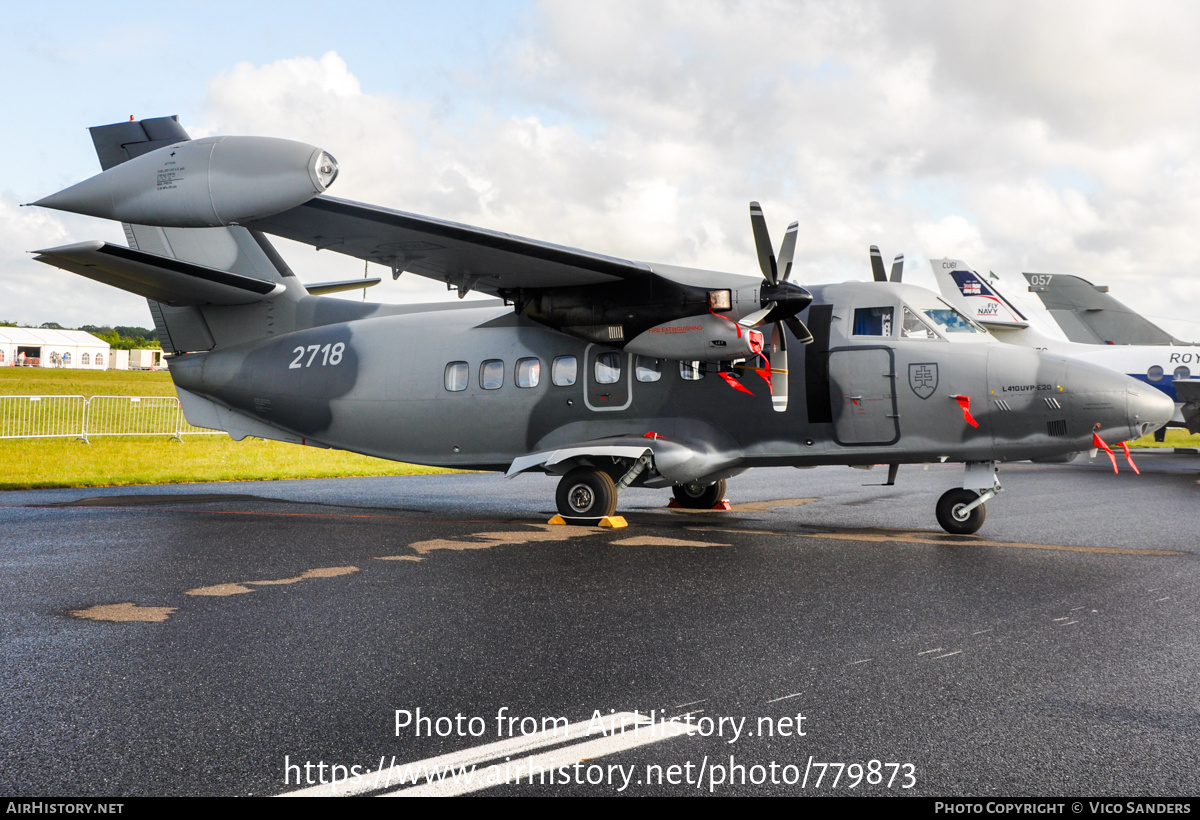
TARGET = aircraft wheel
(699,496)
(586,493)
(950,512)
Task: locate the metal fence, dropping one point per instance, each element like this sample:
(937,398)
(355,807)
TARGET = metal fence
(80,417)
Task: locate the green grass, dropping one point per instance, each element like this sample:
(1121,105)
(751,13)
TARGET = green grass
(118,460)
(37,381)
(1175,438)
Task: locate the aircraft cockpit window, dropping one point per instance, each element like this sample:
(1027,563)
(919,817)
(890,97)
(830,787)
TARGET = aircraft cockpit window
(564,370)
(648,369)
(456,376)
(914,328)
(692,371)
(491,374)
(529,372)
(1183,373)
(876,321)
(1154,374)
(608,368)
(951,321)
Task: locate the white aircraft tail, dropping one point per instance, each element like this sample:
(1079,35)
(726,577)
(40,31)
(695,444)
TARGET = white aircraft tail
(975,296)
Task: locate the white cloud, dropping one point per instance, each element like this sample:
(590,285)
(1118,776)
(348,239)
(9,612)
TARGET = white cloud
(1056,137)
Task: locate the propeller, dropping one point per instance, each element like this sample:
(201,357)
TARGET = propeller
(877,266)
(779,299)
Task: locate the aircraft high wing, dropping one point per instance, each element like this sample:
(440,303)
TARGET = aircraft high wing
(610,373)
(1080,321)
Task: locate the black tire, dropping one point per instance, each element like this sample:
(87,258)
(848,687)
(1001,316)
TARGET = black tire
(950,516)
(699,496)
(586,493)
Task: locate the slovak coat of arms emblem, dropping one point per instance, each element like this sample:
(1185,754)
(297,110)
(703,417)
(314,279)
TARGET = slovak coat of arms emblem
(923,378)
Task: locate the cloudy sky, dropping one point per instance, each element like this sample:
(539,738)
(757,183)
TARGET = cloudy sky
(1019,136)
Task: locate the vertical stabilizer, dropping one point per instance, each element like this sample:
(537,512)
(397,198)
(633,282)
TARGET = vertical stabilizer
(970,293)
(235,249)
(1087,314)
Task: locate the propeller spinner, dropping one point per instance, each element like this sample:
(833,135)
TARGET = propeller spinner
(780,301)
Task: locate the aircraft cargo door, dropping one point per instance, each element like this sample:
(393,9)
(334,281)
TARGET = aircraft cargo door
(862,390)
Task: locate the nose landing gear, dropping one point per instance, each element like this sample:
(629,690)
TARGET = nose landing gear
(953,515)
(960,511)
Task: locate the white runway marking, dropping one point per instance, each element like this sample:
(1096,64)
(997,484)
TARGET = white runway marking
(542,766)
(390,776)
(786,697)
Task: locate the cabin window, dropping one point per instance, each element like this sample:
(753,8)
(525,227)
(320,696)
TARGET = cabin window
(876,321)
(563,371)
(914,328)
(456,375)
(692,371)
(491,374)
(529,372)
(608,368)
(1183,373)
(1154,374)
(648,369)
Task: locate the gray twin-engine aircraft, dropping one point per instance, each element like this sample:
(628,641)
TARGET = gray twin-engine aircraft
(610,373)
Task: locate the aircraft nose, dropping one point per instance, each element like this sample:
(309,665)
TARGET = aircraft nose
(1116,406)
(1148,409)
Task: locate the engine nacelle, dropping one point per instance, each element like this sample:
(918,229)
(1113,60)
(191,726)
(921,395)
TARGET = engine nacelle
(704,338)
(203,183)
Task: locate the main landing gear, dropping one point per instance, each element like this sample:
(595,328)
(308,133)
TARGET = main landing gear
(699,496)
(961,511)
(586,492)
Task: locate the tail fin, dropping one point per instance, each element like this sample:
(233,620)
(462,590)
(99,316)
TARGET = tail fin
(192,300)
(1087,314)
(970,293)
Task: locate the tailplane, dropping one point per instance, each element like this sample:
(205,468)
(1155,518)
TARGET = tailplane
(206,287)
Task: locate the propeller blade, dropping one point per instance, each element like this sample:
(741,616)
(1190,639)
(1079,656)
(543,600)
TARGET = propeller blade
(779,370)
(799,330)
(787,251)
(762,243)
(897,268)
(877,265)
(756,318)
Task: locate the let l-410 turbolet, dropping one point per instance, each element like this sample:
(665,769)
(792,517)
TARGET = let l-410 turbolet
(610,373)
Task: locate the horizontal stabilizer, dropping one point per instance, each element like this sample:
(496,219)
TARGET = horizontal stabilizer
(160,278)
(323,288)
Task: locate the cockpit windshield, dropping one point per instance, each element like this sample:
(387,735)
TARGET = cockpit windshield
(950,320)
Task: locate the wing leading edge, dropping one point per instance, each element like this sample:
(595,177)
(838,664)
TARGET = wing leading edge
(462,256)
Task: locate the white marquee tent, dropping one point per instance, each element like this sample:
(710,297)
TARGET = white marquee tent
(41,347)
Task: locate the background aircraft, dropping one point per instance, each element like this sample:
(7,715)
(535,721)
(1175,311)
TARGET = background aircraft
(1083,322)
(608,372)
